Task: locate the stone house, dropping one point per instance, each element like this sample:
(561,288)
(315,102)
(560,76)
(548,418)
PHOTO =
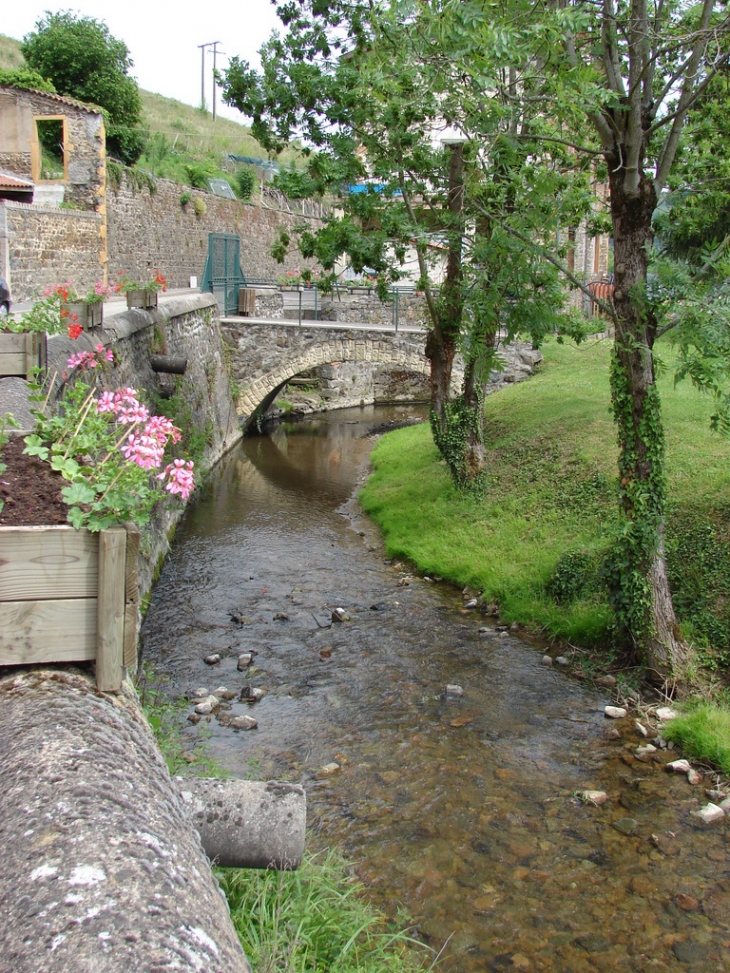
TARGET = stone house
(30,122)
(57,146)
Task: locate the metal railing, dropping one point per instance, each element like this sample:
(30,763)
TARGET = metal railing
(307,300)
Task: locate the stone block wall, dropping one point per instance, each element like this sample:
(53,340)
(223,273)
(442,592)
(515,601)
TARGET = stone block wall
(150,230)
(41,246)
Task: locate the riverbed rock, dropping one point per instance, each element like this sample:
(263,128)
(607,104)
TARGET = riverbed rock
(281,617)
(329,768)
(562,660)
(453,690)
(626,826)
(226,694)
(472,603)
(485,632)
(212,660)
(207,705)
(614,712)
(546,661)
(339,615)
(193,718)
(607,681)
(641,729)
(244,661)
(594,797)
(709,814)
(243,723)
(678,767)
(694,777)
(666,713)
(200,693)
(645,750)
(251,694)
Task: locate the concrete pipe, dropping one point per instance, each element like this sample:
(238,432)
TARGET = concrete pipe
(248,824)
(101,868)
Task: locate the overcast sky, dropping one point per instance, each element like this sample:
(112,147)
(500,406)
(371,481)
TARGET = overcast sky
(163,37)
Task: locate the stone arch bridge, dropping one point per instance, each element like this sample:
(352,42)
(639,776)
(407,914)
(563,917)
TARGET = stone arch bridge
(264,357)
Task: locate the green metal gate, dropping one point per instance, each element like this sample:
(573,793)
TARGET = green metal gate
(223,275)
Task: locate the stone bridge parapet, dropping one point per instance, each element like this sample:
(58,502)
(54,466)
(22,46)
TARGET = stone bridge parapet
(264,357)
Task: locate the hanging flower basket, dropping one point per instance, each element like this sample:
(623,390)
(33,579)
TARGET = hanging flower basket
(141,299)
(86,315)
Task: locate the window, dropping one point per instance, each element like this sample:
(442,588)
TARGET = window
(51,157)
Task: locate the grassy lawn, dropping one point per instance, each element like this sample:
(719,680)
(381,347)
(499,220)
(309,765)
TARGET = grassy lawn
(535,542)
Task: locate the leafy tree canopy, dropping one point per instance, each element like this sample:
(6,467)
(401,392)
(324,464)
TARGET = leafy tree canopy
(83,60)
(23,78)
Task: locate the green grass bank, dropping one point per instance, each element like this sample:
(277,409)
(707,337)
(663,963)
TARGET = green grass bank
(535,543)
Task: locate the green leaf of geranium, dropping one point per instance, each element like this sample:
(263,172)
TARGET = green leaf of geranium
(34,447)
(76,517)
(78,493)
(66,466)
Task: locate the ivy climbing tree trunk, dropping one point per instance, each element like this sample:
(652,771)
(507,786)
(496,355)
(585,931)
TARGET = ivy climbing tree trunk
(640,589)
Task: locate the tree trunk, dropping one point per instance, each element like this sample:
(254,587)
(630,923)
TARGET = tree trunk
(642,597)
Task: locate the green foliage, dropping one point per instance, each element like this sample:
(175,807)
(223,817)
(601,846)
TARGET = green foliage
(26,78)
(82,59)
(641,445)
(245,182)
(450,434)
(185,198)
(549,505)
(315,919)
(84,443)
(697,212)
(200,207)
(703,732)
(371,118)
(576,573)
(44,317)
(698,563)
(114,174)
(165,717)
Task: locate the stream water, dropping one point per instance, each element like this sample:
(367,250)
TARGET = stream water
(462,809)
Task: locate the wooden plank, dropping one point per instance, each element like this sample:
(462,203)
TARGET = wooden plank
(12,363)
(47,631)
(47,562)
(110,609)
(131,597)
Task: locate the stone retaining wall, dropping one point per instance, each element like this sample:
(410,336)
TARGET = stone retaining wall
(185,327)
(153,229)
(42,246)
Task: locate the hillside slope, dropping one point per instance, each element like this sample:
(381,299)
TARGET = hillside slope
(180,135)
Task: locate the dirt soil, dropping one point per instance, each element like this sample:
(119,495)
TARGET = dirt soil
(29,488)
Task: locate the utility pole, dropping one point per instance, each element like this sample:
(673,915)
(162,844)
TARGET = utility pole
(214,45)
(202,74)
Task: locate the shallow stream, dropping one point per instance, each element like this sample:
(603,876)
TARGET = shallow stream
(462,809)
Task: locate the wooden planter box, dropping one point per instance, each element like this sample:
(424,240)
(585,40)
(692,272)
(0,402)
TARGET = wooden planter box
(87,315)
(247,302)
(21,353)
(143,299)
(69,595)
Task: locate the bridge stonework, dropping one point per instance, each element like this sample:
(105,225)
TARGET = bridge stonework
(264,357)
